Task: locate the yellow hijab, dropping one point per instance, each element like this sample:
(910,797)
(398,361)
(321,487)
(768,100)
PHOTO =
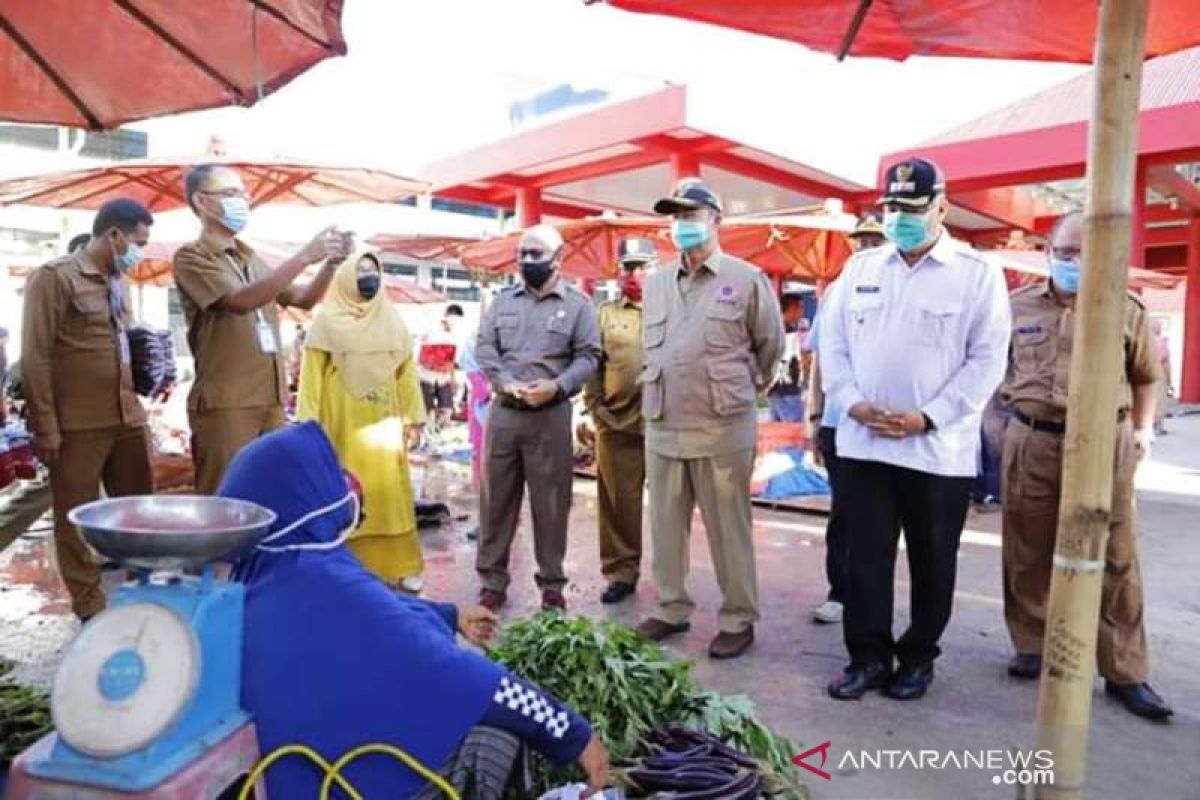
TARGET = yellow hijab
(367,340)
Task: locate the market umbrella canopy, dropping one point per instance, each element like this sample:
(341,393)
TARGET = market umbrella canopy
(1037,30)
(158,184)
(798,247)
(426,248)
(103,63)
(403,292)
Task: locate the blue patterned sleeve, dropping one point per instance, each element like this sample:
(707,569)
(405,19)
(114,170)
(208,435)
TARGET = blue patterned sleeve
(551,728)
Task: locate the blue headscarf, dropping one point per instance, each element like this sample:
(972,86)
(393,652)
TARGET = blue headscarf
(332,658)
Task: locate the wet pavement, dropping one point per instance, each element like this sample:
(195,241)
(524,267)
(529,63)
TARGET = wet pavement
(972,706)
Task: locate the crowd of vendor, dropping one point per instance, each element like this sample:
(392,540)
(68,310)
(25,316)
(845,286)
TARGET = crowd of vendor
(907,349)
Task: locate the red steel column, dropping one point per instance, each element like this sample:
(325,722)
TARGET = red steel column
(529,206)
(1137,254)
(1190,392)
(684,165)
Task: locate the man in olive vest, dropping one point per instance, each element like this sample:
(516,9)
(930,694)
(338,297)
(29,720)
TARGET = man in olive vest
(712,336)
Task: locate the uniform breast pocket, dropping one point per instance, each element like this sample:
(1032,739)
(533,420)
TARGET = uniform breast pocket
(655,333)
(558,332)
(865,312)
(508,329)
(90,312)
(937,325)
(724,326)
(1032,347)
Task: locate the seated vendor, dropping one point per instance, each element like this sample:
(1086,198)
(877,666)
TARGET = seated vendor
(334,659)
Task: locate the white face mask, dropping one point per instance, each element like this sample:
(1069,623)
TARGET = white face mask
(338,542)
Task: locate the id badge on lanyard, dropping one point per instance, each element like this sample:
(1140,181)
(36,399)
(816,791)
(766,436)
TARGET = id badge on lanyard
(268,345)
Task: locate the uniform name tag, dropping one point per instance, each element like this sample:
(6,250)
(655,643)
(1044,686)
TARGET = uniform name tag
(266,338)
(866,289)
(1028,329)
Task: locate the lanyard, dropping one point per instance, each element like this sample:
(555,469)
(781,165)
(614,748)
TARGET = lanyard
(243,272)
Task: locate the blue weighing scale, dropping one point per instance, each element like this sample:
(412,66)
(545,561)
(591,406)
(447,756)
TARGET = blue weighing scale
(154,681)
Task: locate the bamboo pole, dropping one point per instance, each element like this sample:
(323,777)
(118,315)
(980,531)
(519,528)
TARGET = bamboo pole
(1065,702)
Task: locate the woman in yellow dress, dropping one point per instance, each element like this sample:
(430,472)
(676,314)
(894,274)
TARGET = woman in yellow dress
(359,381)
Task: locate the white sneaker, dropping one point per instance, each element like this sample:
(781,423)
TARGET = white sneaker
(413,584)
(829,612)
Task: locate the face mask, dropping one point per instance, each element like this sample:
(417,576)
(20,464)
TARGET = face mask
(907,230)
(129,259)
(368,286)
(631,286)
(235,213)
(1065,274)
(309,517)
(688,234)
(536,273)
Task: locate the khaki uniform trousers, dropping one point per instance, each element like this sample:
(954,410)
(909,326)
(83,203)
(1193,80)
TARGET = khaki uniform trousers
(1032,472)
(720,485)
(118,458)
(620,481)
(525,448)
(218,434)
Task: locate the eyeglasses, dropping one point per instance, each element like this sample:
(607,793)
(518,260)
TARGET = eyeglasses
(232,191)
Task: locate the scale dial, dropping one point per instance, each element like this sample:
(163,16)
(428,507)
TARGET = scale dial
(125,679)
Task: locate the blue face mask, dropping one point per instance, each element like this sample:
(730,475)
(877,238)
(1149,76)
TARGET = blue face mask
(688,234)
(235,213)
(1065,274)
(129,259)
(907,230)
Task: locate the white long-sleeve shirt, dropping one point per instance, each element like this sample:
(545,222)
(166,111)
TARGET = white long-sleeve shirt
(932,338)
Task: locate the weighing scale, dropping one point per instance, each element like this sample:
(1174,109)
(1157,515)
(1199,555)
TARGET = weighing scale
(153,682)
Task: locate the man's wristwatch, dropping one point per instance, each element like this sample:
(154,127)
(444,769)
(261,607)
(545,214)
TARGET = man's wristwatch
(929,426)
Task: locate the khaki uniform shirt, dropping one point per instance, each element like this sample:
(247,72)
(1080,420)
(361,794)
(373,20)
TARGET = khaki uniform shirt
(1040,355)
(614,396)
(712,340)
(232,371)
(74,362)
(524,337)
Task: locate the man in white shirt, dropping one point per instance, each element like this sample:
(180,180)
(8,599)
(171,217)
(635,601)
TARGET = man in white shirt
(914,341)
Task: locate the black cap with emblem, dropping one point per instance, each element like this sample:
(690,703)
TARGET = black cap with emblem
(636,251)
(689,195)
(914,183)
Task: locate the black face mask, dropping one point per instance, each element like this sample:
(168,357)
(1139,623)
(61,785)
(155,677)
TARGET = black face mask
(536,273)
(368,286)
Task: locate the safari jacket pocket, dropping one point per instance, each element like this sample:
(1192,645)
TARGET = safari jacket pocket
(652,391)
(732,388)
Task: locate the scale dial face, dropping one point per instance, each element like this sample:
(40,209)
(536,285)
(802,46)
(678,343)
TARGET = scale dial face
(125,679)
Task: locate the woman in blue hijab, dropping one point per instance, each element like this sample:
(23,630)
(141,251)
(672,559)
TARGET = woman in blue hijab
(334,659)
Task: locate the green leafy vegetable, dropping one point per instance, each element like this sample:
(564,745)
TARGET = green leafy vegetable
(24,716)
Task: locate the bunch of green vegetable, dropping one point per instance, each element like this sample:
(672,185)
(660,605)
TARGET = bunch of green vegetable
(627,687)
(24,715)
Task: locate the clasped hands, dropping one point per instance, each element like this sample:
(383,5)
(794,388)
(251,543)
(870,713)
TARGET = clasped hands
(888,424)
(534,393)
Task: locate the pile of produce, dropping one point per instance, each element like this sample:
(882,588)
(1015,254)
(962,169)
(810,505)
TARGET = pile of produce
(24,716)
(692,765)
(634,696)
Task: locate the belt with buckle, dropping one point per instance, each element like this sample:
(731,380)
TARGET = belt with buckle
(513,404)
(1057,428)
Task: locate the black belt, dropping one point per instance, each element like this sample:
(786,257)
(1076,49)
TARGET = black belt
(520,405)
(1058,428)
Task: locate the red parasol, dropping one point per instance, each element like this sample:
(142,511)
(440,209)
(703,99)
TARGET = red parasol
(1033,263)
(158,184)
(405,292)
(803,248)
(1037,30)
(426,248)
(101,64)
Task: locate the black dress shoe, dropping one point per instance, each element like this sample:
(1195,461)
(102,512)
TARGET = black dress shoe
(910,683)
(1140,699)
(1026,666)
(617,591)
(859,679)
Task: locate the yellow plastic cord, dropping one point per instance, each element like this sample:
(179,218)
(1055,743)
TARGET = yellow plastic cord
(333,772)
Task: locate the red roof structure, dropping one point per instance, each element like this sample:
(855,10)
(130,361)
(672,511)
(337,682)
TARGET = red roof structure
(623,157)
(1026,161)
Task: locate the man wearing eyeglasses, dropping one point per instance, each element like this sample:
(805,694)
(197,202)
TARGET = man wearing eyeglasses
(538,345)
(229,298)
(914,341)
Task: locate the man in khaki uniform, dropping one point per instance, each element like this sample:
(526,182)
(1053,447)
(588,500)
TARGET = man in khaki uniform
(713,335)
(538,344)
(229,299)
(89,426)
(614,399)
(1036,388)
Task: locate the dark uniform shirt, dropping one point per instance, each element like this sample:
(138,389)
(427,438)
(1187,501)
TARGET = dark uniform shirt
(614,396)
(524,338)
(232,369)
(1040,355)
(74,355)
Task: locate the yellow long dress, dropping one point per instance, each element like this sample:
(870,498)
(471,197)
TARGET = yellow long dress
(368,435)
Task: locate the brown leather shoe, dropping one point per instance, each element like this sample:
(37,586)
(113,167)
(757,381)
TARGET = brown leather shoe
(656,629)
(492,600)
(731,645)
(553,600)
